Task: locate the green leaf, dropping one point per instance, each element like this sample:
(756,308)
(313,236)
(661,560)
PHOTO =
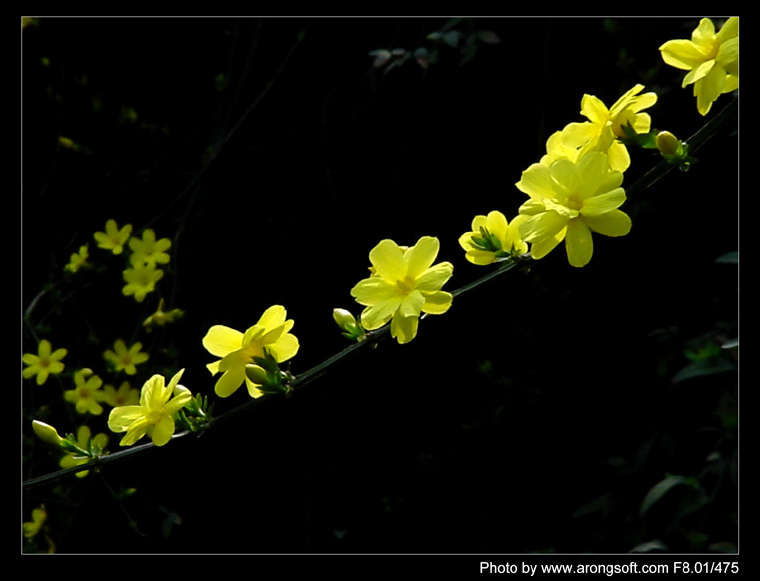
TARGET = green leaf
(452,38)
(658,491)
(702,368)
(601,504)
(649,546)
(728,258)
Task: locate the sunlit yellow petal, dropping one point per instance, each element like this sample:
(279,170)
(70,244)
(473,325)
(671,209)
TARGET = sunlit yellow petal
(421,256)
(221,340)
(388,260)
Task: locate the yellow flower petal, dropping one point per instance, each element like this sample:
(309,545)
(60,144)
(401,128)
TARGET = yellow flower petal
(221,340)
(421,256)
(578,243)
(388,260)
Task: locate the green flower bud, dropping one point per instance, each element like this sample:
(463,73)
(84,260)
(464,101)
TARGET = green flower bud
(46,433)
(345,320)
(256,374)
(668,144)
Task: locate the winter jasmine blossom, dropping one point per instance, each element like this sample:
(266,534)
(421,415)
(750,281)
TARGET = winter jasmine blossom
(154,416)
(44,363)
(236,349)
(711,58)
(403,285)
(492,238)
(604,126)
(567,202)
(113,239)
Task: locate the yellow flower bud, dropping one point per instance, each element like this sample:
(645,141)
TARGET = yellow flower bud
(46,433)
(667,143)
(66,142)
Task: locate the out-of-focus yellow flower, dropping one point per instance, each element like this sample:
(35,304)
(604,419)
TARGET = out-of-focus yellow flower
(711,59)
(569,201)
(87,395)
(33,527)
(141,279)
(238,349)
(161,317)
(113,239)
(83,441)
(154,416)
(604,126)
(125,395)
(44,363)
(124,359)
(148,249)
(403,285)
(492,237)
(78,259)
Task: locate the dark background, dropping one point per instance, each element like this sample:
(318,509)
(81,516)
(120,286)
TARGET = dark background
(531,398)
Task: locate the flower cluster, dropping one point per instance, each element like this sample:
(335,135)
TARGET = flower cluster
(147,253)
(575,189)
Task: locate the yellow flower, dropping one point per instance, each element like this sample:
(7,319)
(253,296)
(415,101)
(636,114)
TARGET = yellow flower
(492,237)
(403,285)
(154,414)
(161,317)
(78,259)
(39,516)
(568,201)
(148,249)
(604,126)
(711,59)
(87,394)
(113,239)
(238,350)
(83,441)
(125,395)
(124,359)
(141,280)
(44,363)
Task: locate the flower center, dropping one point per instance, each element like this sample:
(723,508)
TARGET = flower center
(574,203)
(155,416)
(406,285)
